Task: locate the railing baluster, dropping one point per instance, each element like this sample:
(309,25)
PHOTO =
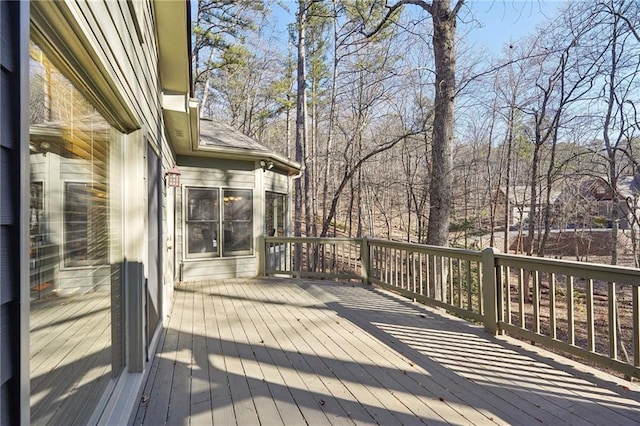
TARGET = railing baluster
(591,343)
(403,263)
(613,320)
(413,272)
(396,266)
(442,279)
(386,262)
(480,292)
(552,305)
(635,313)
(421,276)
(449,297)
(571,328)
(521,296)
(469,288)
(467,274)
(536,301)
(507,291)
(428,265)
(392,268)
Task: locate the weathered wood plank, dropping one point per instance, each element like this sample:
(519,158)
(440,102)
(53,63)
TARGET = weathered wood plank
(201,405)
(75,365)
(373,403)
(384,368)
(244,408)
(154,406)
(221,400)
(180,401)
(247,341)
(293,352)
(321,395)
(271,358)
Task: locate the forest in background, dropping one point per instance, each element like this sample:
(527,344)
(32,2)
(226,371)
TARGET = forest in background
(543,146)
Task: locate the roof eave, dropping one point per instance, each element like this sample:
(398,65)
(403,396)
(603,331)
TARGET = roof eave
(173,20)
(279,161)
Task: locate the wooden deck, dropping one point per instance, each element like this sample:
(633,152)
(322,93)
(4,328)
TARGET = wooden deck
(283,351)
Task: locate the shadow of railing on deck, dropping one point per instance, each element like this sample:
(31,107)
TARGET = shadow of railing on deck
(470,352)
(447,363)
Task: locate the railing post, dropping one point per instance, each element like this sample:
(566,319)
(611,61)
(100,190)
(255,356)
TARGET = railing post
(262,256)
(490,290)
(364,258)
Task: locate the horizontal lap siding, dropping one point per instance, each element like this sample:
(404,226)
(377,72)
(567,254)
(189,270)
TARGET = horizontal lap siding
(131,64)
(212,269)
(276,182)
(11,175)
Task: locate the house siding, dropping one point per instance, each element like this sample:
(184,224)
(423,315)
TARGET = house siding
(13,169)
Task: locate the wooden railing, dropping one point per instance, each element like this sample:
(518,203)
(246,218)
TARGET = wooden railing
(586,310)
(337,258)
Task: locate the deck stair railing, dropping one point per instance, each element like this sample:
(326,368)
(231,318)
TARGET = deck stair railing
(580,309)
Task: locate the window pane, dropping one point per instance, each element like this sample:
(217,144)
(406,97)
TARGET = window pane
(202,221)
(85,219)
(203,204)
(238,222)
(274,214)
(202,237)
(237,237)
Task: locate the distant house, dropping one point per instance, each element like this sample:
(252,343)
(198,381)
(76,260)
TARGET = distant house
(518,203)
(111,191)
(589,202)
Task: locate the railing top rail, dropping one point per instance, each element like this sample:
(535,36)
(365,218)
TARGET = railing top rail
(423,248)
(613,273)
(594,271)
(322,240)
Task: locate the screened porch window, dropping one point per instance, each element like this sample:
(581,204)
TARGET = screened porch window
(274,214)
(203,222)
(208,235)
(238,222)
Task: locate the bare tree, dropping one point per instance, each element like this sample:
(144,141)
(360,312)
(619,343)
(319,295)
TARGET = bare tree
(443,42)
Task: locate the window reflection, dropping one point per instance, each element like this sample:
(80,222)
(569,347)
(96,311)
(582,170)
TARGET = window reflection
(75,242)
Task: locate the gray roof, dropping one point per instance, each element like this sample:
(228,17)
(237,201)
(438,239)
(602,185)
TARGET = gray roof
(221,135)
(629,186)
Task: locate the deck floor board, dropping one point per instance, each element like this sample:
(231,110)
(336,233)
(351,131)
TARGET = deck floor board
(284,351)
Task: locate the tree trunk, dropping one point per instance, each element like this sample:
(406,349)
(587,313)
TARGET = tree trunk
(301,129)
(444,30)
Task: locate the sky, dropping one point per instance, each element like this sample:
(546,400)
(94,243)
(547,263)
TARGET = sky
(501,21)
(496,21)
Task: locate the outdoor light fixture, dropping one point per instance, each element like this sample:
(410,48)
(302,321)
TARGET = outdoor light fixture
(266,165)
(172,177)
(44,148)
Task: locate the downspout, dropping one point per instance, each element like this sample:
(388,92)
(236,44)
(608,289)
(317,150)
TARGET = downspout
(289,190)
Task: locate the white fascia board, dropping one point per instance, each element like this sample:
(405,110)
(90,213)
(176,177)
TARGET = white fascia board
(177,103)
